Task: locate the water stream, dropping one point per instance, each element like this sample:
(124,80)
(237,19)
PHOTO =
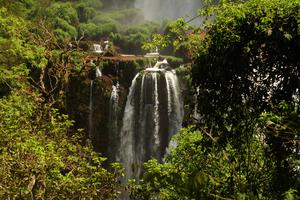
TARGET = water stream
(153,113)
(91,110)
(113,121)
(98,74)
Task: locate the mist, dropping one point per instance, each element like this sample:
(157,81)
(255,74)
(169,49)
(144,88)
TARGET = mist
(118,4)
(159,10)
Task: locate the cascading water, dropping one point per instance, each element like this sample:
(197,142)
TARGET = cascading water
(196,114)
(91,109)
(98,74)
(113,119)
(113,107)
(153,113)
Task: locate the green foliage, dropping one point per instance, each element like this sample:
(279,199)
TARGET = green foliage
(93,31)
(74,21)
(196,170)
(96,4)
(291,195)
(158,41)
(63,11)
(84,12)
(64,18)
(281,128)
(133,38)
(246,62)
(127,16)
(16,52)
(179,38)
(39,156)
(38,160)
(118,3)
(22,8)
(64,30)
(249,57)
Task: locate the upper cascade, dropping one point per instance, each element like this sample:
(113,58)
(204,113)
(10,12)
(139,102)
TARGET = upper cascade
(159,66)
(98,48)
(98,72)
(161,63)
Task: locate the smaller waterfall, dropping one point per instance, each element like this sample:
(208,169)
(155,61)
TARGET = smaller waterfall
(97,48)
(98,72)
(91,110)
(196,117)
(156,114)
(113,121)
(196,114)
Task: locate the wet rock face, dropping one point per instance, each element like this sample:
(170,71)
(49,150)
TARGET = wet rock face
(98,103)
(88,99)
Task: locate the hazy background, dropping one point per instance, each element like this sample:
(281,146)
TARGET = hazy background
(158,10)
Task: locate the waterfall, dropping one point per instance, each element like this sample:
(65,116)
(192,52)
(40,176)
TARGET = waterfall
(113,120)
(156,114)
(127,152)
(153,113)
(98,74)
(196,114)
(175,107)
(91,109)
(158,10)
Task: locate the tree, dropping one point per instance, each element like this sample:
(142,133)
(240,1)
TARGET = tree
(39,161)
(41,157)
(281,129)
(22,8)
(16,52)
(248,144)
(199,167)
(196,170)
(248,60)
(65,20)
(247,64)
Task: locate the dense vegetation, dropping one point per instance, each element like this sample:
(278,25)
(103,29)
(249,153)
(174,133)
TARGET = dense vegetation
(40,158)
(244,143)
(245,73)
(88,20)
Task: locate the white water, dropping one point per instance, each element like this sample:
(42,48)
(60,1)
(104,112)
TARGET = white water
(126,151)
(97,48)
(196,114)
(113,109)
(175,111)
(91,109)
(158,10)
(153,113)
(98,72)
(113,120)
(156,114)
